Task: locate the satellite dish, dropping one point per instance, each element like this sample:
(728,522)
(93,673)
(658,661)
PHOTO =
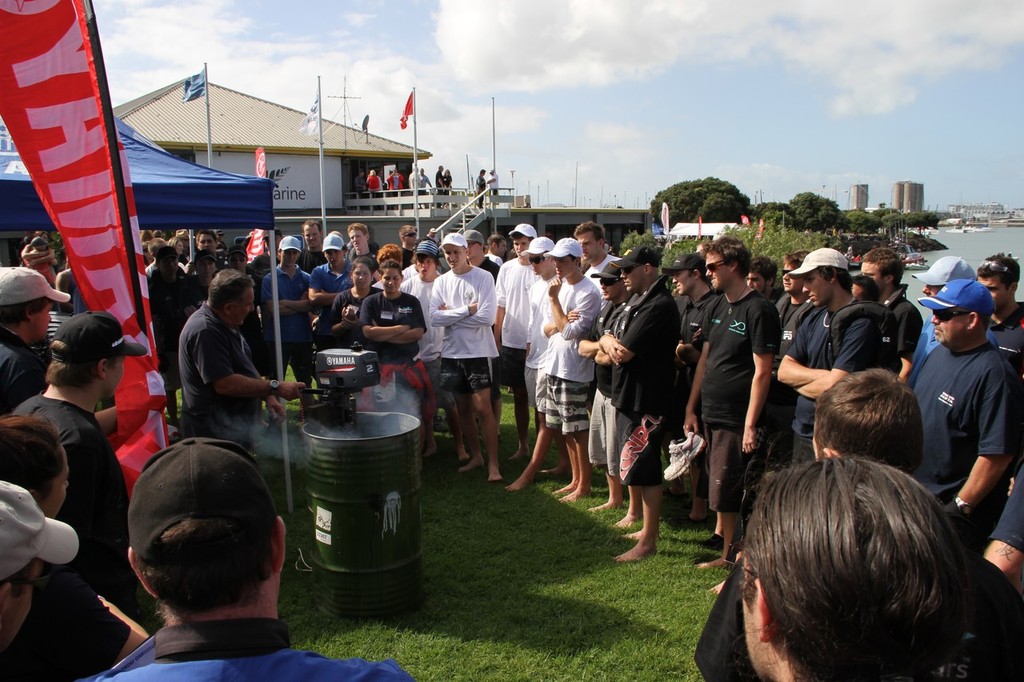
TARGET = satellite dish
(366,123)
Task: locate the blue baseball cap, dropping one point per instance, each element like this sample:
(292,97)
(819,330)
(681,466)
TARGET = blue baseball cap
(961,293)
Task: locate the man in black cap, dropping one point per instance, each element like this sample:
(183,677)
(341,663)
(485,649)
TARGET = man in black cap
(166,288)
(197,285)
(641,349)
(207,542)
(88,361)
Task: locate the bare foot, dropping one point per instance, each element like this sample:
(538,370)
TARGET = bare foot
(520,453)
(717,589)
(556,471)
(637,553)
(627,521)
(576,495)
(430,451)
(717,563)
(473,463)
(607,505)
(634,536)
(463,456)
(566,489)
(493,474)
(521,483)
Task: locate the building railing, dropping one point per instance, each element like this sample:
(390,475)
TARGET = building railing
(436,202)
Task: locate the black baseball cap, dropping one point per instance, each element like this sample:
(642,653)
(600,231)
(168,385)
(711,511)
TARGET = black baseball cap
(205,253)
(642,255)
(609,274)
(166,252)
(199,478)
(91,337)
(685,262)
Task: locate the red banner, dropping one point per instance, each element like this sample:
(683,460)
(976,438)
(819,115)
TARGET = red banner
(410,108)
(53,105)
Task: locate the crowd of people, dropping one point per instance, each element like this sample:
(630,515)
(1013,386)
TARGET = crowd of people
(819,416)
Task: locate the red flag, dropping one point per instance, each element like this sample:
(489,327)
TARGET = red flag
(700,226)
(745,220)
(261,163)
(58,112)
(410,109)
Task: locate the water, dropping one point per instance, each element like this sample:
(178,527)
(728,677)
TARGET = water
(972,247)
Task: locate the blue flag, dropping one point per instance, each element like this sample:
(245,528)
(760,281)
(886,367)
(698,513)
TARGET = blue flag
(195,87)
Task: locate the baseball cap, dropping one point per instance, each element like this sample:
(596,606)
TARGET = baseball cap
(198,478)
(166,252)
(945,270)
(333,242)
(205,253)
(540,246)
(821,257)
(961,293)
(473,236)
(21,285)
(26,533)
(93,336)
(428,247)
(566,247)
(237,249)
(454,239)
(290,244)
(525,230)
(686,262)
(642,255)
(609,274)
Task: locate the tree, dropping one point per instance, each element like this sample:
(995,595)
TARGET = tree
(922,219)
(813,212)
(714,200)
(773,213)
(863,222)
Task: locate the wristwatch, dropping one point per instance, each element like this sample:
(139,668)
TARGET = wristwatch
(274,385)
(965,508)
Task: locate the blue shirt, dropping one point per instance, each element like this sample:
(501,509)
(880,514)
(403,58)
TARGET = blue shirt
(324,279)
(295,327)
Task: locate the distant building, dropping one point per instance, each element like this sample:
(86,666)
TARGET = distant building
(907,196)
(980,211)
(858,197)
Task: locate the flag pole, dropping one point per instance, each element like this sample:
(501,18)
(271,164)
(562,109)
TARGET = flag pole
(209,134)
(320,132)
(415,167)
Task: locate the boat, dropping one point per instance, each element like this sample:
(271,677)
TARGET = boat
(979,228)
(912,260)
(955,230)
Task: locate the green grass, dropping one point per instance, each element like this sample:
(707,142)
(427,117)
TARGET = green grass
(518,585)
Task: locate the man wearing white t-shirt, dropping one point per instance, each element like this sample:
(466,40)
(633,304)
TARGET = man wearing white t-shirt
(512,289)
(590,235)
(464,303)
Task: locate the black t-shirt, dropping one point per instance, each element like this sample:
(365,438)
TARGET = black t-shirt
(909,319)
(491,267)
(193,294)
(22,372)
(379,311)
(354,334)
(789,316)
(650,329)
(68,634)
(733,333)
(210,350)
(605,323)
(1010,336)
(97,500)
(691,317)
(812,348)
(168,309)
(311,259)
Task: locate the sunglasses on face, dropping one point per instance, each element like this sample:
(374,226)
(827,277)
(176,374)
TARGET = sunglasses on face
(949,314)
(536,260)
(409,235)
(37,584)
(712,266)
(627,270)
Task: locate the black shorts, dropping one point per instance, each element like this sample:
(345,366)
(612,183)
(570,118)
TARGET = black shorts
(467,375)
(726,465)
(640,458)
(513,367)
(298,354)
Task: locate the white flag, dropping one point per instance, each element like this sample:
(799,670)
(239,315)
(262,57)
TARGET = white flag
(309,124)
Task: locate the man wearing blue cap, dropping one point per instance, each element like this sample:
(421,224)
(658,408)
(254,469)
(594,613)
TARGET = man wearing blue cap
(971,406)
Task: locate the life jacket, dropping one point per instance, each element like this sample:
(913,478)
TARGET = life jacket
(882,319)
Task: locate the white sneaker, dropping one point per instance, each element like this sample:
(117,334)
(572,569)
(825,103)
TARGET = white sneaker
(682,453)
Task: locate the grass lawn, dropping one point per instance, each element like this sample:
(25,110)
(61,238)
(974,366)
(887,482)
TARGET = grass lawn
(518,585)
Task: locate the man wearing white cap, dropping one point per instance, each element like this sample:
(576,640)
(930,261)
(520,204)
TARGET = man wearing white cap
(941,273)
(464,303)
(325,283)
(810,366)
(28,542)
(510,334)
(25,301)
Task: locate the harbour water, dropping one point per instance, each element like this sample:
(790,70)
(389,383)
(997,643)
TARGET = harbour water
(973,248)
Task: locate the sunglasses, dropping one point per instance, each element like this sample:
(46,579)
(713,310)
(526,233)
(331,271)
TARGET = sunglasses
(536,260)
(993,265)
(786,272)
(409,235)
(37,584)
(948,314)
(628,269)
(712,266)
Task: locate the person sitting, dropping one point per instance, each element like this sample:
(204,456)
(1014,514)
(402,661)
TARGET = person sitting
(93,633)
(207,543)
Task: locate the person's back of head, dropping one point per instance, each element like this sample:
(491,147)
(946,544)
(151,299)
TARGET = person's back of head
(84,341)
(872,583)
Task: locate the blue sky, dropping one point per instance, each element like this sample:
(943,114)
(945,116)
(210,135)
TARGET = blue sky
(778,98)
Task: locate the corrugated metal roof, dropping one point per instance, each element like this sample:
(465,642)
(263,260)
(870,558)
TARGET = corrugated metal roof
(242,122)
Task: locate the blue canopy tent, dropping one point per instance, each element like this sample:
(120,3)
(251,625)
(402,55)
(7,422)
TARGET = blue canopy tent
(170,192)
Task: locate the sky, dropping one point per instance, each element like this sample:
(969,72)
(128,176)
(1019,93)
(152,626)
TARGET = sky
(610,101)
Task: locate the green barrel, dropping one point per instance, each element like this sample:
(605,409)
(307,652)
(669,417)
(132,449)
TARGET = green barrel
(364,493)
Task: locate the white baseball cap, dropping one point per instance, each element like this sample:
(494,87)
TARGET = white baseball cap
(21,285)
(540,246)
(524,229)
(945,270)
(26,533)
(566,247)
(333,242)
(454,239)
(821,258)
(290,244)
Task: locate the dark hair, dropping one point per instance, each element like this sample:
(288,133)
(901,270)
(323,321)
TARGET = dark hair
(731,250)
(795,258)
(207,232)
(871,414)
(31,450)
(828,576)
(766,267)
(888,261)
(390,263)
(72,375)
(591,227)
(1006,268)
(227,286)
(19,312)
(369,261)
(869,285)
(495,239)
(219,579)
(313,223)
(832,273)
